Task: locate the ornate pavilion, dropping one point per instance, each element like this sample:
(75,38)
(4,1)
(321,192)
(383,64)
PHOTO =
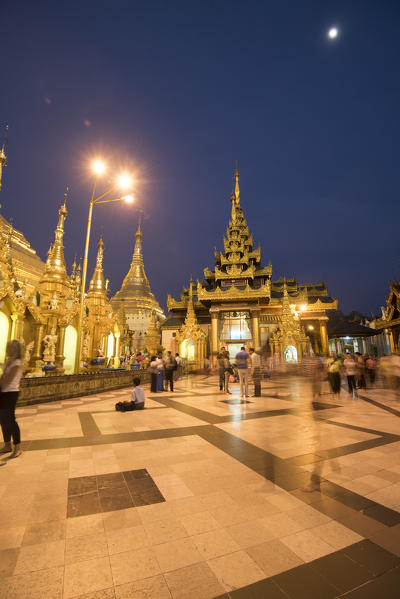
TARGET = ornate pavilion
(389,323)
(238,304)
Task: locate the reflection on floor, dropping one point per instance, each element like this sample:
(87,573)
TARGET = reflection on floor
(202,496)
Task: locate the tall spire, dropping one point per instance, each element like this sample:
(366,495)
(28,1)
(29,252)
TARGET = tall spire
(190,313)
(136,277)
(3,157)
(97,284)
(55,264)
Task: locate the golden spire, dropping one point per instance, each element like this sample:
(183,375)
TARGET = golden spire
(136,280)
(190,313)
(55,263)
(97,284)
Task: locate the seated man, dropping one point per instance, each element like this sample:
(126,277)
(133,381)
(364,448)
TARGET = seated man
(137,402)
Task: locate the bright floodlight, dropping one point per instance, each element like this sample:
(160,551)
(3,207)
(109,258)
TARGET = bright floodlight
(303,308)
(129,199)
(98,167)
(124,181)
(333,32)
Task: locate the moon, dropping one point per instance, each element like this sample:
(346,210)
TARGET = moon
(333,33)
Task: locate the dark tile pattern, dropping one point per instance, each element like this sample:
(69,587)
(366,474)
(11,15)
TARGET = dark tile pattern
(362,571)
(109,492)
(235,402)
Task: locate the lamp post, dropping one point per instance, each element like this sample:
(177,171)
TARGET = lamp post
(124,181)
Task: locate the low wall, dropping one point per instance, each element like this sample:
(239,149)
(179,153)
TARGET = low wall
(53,388)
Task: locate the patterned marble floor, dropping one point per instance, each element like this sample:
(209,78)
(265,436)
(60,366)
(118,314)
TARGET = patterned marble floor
(202,496)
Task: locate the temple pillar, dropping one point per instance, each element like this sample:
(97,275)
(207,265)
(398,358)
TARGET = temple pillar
(391,340)
(60,347)
(214,337)
(256,328)
(19,328)
(38,342)
(117,350)
(14,318)
(324,337)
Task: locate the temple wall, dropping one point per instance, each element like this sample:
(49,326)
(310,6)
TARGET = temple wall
(54,388)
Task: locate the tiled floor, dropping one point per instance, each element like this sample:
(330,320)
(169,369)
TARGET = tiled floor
(202,496)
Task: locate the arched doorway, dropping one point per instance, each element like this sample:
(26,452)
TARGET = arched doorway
(71,337)
(110,345)
(290,353)
(187,350)
(4,330)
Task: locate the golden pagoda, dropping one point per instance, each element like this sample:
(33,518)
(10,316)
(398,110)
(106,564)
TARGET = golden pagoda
(238,304)
(136,298)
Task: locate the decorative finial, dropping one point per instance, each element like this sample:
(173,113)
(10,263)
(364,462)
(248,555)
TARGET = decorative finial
(3,157)
(67,190)
(237,177)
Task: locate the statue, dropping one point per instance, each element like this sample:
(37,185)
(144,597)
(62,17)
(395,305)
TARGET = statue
(100,353)
(54,302)
(28,352)
(49,354)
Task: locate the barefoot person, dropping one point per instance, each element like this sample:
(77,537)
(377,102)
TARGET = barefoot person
(9,383)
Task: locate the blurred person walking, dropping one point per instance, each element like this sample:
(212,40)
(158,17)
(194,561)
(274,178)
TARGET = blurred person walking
(350,369)
(256,371)
(360,371)
(9,383)
(371,369)
(153,374)
(334,365)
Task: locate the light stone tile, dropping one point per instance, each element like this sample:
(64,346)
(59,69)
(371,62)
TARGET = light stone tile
(307,545)
(42,584)
(87,577)
(105,594)
(274,557)
(134,565)
(336,534)
(148,588)
(250,533)
(44,532)
(84,525)
(11,537)
(81,548)
(177,554)
(128,539)
(40,556)
(121,519)
(215,543)
(197,582)
(235,570)
(162,531)
(200,522)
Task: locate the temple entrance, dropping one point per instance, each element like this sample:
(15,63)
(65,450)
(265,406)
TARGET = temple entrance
(233,349)
(187,350)
(110,345)
(71,337)
(4,329)
(290,353)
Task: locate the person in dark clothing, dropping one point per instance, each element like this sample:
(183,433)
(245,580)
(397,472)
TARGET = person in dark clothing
(170,366)
(153,374)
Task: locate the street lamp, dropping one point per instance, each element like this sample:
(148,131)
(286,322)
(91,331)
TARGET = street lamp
(124,181)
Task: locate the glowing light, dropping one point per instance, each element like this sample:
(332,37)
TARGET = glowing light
(303,307)
(333,33)
(124,181)
(129,199)
(310,327)
(98,167)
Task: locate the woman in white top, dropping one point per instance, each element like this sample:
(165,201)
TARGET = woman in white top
(9,383)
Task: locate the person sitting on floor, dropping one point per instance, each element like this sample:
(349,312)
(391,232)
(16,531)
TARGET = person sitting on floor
(137,401)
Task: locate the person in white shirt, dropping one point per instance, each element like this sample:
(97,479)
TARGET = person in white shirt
(350,368)
(137,399)
(9,383)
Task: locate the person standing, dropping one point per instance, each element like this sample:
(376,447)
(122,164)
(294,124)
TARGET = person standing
(169,367)
(256,371)
(350,368)
(153,374)
(371,369)
(160,372)
(334,364)
(360,371)
(9,383)
(242,363)
(221,368)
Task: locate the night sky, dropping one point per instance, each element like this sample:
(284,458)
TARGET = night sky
(175,92)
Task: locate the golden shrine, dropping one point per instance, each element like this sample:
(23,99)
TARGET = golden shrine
(39,303)
(238,304)
(389,323)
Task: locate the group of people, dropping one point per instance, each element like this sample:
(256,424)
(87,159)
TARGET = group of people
(163,371)
(245,365)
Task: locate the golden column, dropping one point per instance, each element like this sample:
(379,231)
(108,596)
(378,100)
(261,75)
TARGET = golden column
(116,356)
(14,318)
(60,348)
(214,337)
(255,315)
(391,339)
(324,337)
(38,342)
